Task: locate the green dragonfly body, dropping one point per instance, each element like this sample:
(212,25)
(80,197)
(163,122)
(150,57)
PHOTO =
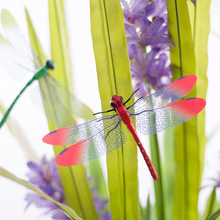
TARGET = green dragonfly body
(50,65)
(19,59)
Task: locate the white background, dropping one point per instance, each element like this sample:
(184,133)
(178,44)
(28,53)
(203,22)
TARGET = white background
(33,123)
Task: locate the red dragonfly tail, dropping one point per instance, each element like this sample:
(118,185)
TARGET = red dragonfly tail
(147,159)
(144,153)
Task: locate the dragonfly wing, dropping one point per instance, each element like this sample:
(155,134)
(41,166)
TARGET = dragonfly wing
(173,92)
(17,39)
(97,137)
(152,121)
(58,103)
(91,148)
(76,133)
(12,61)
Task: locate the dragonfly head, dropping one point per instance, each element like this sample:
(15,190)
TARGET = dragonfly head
(50,64)
(116,101)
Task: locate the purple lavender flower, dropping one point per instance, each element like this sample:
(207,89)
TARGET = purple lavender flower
(45,176)
(99,203)
(136,9)
(148,33)
(148,43)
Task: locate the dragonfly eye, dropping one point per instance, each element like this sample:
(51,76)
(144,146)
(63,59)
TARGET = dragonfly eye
(50,64)
(113,105)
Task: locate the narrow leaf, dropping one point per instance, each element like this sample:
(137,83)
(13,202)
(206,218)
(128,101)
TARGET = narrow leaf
(168,172)
(211,205)
(201,33)
(158,185)
(96,172)
(59,42)
(66,209)
(214,216)
(74,179)
(112,64)
(17,132)
(187,149)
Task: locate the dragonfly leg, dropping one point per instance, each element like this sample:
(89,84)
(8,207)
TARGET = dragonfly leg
(110,110)
(102,119)
(113,129)
(141,112)
(131,96)
(135,102)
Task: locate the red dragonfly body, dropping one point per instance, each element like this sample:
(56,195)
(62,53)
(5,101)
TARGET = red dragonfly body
(152,114)
(117,103)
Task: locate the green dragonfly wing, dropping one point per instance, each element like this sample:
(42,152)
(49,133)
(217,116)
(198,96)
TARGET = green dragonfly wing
(15,36)
(59,102)
(12,61)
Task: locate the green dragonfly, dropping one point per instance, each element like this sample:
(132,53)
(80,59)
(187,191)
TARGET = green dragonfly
(18,58)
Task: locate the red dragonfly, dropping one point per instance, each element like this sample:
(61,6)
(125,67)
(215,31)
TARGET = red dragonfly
(152,114)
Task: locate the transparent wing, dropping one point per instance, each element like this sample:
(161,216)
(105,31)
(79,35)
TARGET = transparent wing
(173,92)
(60,104)
(91,140)
(12,61)
(22,50)
(150,122)
(76,133)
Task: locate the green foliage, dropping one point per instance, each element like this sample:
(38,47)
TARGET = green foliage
(214,216)
(211,206)
(66,209)
(188,58)
(158,185)
(74,179)
(112,64)
(177,190)
(18,133)
(168,172)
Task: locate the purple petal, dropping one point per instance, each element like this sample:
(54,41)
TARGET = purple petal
(150,59)
(138,5)
(194,2)
(124,3)
(156,40)
(34,167)
(143,23)
(149,10)
(155,26)
(99,203)
(105,216)
(130,31)
(59,214)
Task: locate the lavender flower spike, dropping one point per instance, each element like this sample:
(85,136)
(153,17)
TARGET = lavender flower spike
(45,176)
(148,43)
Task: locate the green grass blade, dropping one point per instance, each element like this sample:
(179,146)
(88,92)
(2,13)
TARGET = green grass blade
(187,149)
(148,209)
(35,44)
(168,172)
(201,33)
(18,133)
(66,209)
(96,172)
(214,216)
(112,64)
(59,42)
(145,212)
(60,53)
(74,179)
(211,205)
(158,185)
